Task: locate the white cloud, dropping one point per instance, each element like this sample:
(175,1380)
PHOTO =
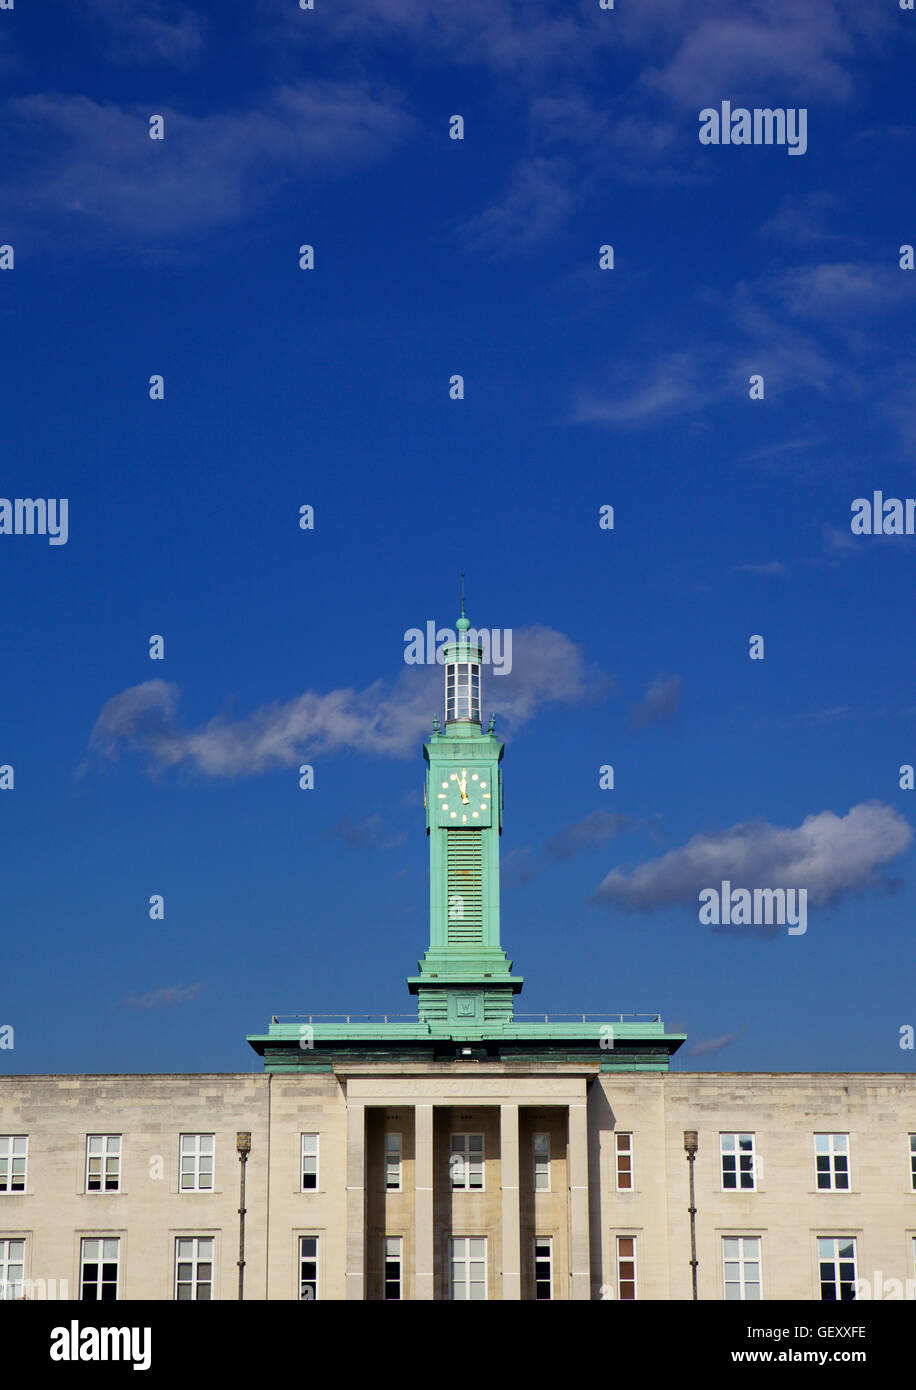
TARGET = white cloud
(828,855)
(841,289)
(385,719)
(720,57)
(711,1045)
(160,998)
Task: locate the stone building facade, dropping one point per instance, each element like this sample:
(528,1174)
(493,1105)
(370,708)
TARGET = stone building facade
(469,1152)
(574,1184)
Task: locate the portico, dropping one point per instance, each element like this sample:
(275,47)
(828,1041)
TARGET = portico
(505,1105)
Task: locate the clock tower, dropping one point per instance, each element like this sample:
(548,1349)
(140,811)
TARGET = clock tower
(465,987)
(465,977)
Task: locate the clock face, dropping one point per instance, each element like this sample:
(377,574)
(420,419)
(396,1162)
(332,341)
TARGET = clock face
(464,796)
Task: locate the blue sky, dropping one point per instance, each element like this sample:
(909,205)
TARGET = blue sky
(330,387)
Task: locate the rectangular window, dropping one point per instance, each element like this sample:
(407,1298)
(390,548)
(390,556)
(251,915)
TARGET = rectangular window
(626,1267)
(99,1260)
(309,1162)
(197,1162)
(741,1267)
(624,1154)
(913,1161)
(14,1150)
(738,1168)
(308,1267)
(466,1162)
(393,1148)
(468,1267)
(193,1268)
(103,1163)
(542,1163)
(12,1268)
(831,1161)
(543,1267)
(836,1259)
(392,1246)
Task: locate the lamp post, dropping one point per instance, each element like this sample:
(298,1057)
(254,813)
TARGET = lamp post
(691,1145)
(243,1149)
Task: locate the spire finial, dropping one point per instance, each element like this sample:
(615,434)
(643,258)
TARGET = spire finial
(462,624)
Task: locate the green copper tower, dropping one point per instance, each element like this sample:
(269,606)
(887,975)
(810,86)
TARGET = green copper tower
(465,988)
(465,977)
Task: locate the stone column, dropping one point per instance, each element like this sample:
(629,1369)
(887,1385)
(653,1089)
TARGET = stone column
(424,1241)
(509,1170)
(579,1267)
(356,1199)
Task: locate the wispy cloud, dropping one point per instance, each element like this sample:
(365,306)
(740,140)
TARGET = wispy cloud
(688,46)
(680,55)
(583,834)
(386,718)
(768,569)
(816,327)
(372,832)
(153,32)
(803,50)
(782,455)
(95,164)
(842,289)
(675,382)
(161,998)
(804,219)
(521,866)
(829,855)
(512,40)
(710,1046)
(660,703)
(537,201)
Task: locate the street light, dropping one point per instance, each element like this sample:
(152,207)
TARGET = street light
(243,1149)
(691,1145)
